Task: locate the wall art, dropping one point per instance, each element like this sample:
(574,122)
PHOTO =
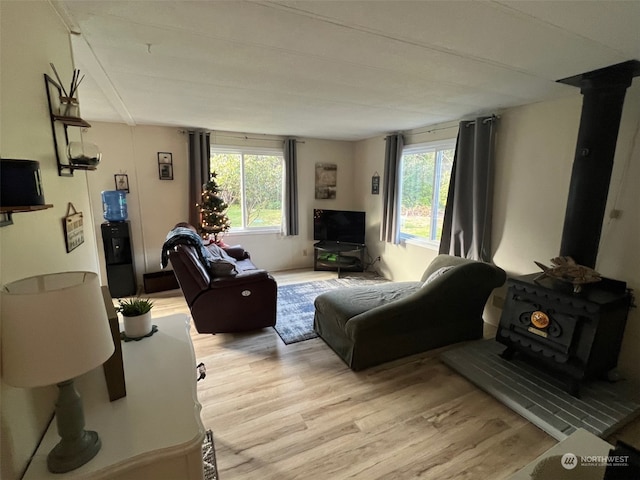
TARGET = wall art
(122,182)
(73,228)
(375,184)
(326,180)
(165,165)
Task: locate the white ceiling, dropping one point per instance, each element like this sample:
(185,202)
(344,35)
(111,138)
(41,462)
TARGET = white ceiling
(335,69)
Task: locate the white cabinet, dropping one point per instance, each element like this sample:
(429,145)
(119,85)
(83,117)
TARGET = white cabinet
(155,431)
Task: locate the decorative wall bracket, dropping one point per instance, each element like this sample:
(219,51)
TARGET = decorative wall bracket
(59,125)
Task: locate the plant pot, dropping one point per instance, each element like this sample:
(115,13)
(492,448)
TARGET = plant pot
(138,326)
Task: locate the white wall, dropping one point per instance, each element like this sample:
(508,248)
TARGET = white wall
(534,154)
(32,35)
(155,206)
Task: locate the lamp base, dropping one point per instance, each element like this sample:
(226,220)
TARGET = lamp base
(67,456)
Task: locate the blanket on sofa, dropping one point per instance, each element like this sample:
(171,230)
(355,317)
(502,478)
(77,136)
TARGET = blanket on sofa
(217,261)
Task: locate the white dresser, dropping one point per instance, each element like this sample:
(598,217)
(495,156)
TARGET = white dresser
(153,432)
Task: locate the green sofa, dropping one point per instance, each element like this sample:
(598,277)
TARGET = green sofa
(370,325)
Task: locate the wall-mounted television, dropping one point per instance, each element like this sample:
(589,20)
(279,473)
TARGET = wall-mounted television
(339,226)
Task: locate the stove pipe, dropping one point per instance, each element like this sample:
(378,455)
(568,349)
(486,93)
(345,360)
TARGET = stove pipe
(603,91)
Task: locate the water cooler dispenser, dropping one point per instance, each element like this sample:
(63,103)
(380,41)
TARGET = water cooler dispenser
(116,238)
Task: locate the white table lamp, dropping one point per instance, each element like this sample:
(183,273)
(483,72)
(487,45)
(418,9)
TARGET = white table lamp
(55,328)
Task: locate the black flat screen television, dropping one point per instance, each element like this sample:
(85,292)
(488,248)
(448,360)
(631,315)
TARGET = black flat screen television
(339,226)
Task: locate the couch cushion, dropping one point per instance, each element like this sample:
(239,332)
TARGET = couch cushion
(221,264)
(245,265)
(340,305)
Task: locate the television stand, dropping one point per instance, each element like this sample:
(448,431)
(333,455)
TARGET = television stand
(338,256)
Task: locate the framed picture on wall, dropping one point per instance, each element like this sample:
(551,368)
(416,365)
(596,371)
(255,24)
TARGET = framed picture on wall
(326,180)
(122,182)
(73,224)
(375,184)
(165,165)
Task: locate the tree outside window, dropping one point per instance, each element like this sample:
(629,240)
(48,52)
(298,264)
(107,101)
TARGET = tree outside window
(250,183)
(425,175)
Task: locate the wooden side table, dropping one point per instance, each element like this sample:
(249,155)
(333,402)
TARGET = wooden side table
(155,431)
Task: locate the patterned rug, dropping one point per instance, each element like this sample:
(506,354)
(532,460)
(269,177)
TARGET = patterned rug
(295,305)
(209,457)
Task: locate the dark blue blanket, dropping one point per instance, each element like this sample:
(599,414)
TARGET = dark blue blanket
(183,236)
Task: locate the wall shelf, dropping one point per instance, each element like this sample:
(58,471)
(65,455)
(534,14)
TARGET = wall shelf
(59,125)
(7,212)
(71,121)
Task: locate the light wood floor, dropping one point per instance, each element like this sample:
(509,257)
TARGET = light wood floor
(297,412)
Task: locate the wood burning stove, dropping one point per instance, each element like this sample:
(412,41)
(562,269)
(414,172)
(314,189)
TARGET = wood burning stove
(577,333)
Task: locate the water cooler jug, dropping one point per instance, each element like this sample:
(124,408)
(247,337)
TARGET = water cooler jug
(114,205)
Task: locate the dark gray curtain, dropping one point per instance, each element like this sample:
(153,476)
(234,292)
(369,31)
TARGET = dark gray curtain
(391,189)
(199,171)
(467,219)
(290,187)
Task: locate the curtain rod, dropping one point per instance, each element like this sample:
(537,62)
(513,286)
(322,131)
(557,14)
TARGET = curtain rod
(244,137)
(431,130)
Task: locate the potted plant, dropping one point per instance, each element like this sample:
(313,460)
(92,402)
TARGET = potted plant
(136,313)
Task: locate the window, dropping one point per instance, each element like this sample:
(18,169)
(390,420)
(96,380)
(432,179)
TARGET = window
(251,183)
(425,175)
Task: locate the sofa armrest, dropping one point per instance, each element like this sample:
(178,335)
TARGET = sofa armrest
(192,276)
(242,278)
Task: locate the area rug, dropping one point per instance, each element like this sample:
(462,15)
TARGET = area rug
(209,457)
(295,305)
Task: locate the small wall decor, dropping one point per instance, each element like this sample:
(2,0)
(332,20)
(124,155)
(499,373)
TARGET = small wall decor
(122,182)
(165,165)
(326,180)
(375,184)
(73,228)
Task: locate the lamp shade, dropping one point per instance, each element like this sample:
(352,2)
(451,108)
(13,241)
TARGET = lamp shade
(54,328)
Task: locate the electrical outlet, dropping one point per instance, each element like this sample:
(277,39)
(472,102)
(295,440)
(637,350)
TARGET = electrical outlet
(304,252)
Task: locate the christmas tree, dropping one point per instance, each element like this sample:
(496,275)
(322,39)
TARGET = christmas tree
(213,219)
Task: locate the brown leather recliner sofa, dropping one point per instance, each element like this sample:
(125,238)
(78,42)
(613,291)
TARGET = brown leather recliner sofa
(233,302)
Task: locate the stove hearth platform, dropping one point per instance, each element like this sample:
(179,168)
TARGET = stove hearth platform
(602,408)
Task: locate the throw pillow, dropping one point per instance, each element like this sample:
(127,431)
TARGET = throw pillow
(437,273)
(221,264)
